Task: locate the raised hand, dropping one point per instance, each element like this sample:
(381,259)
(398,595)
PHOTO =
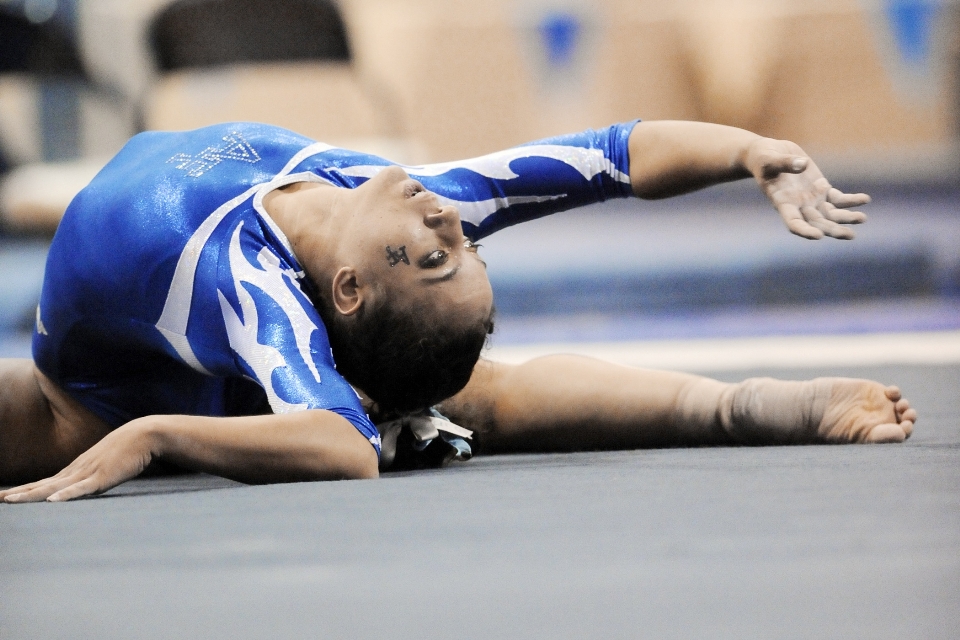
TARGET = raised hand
(807,202)
(121,455)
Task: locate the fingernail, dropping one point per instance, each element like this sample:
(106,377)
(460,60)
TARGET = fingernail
(799,163)
(14,498)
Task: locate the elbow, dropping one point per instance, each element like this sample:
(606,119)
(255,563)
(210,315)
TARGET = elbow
(662,189)
(651,194)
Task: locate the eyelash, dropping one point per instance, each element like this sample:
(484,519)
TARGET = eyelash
(434,260)
(439,257)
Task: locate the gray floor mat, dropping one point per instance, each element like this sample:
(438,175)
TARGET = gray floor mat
(778,542)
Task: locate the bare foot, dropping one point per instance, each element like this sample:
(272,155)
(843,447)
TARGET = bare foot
(865,411)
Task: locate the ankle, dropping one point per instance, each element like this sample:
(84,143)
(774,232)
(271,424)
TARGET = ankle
(768,411)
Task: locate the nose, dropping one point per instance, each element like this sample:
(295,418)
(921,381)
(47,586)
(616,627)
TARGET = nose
(447,216)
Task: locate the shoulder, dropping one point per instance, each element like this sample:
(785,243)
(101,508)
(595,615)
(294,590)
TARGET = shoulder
(230,140)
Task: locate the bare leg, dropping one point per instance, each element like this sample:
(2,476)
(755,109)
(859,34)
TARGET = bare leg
(42,429)
(575,403)
(568,403)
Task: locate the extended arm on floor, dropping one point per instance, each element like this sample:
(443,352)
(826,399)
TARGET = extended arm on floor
(304,445)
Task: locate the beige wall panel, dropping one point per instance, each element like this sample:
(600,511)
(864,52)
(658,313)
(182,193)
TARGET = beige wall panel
(19,118)
(477,96)
(833,93)
(452,69)
(463,80)
(323,101)
(646,74)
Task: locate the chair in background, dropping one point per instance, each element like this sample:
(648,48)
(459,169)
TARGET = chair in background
(283,62)
(206,33)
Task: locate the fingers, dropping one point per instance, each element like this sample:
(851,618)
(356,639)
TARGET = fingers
(844,200)
(82,488)
(808,222)
(797,224)
(12,491)
(841,216)
(26,488)
(55,489)
(830,228)
(37,491)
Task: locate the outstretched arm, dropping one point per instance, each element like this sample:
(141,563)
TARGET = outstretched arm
(305,445)
(652,159)
(668,158)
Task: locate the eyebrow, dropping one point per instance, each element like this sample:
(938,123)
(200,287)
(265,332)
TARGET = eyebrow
(447,276)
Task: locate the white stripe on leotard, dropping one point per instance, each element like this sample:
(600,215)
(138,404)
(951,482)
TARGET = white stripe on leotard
(176,309)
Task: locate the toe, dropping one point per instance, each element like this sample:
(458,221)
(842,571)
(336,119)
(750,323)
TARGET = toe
(886,433)
(907,427)
(909,415)
(893,393)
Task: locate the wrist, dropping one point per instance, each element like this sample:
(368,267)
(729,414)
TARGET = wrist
(748,158)
(150,433)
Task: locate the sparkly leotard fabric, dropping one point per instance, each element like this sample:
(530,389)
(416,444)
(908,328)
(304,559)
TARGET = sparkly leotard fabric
(169,290)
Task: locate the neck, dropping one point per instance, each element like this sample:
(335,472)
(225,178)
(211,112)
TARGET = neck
(305,212)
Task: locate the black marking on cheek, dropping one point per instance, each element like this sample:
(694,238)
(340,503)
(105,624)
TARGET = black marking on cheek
(398,256)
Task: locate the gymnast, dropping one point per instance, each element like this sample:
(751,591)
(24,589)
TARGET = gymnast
(239,300)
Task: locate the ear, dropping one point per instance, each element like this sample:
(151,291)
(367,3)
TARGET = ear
(347,293)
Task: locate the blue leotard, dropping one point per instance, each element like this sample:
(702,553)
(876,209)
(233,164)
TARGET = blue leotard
(169,290)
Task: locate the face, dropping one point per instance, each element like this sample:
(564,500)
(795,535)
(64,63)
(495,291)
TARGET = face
(401,238)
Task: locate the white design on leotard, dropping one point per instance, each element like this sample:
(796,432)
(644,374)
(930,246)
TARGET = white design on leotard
(262,358)
(477,212)
(176,309)
(236,148)
(496,166)
(42,330)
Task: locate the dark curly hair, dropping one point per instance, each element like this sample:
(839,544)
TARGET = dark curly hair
(400,356)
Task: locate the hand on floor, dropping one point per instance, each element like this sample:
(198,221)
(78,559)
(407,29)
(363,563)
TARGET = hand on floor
(121,455)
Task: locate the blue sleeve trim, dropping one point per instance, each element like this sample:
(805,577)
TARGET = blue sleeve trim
(363,424)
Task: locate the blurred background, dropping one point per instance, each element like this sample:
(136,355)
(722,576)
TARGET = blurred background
(870,88)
